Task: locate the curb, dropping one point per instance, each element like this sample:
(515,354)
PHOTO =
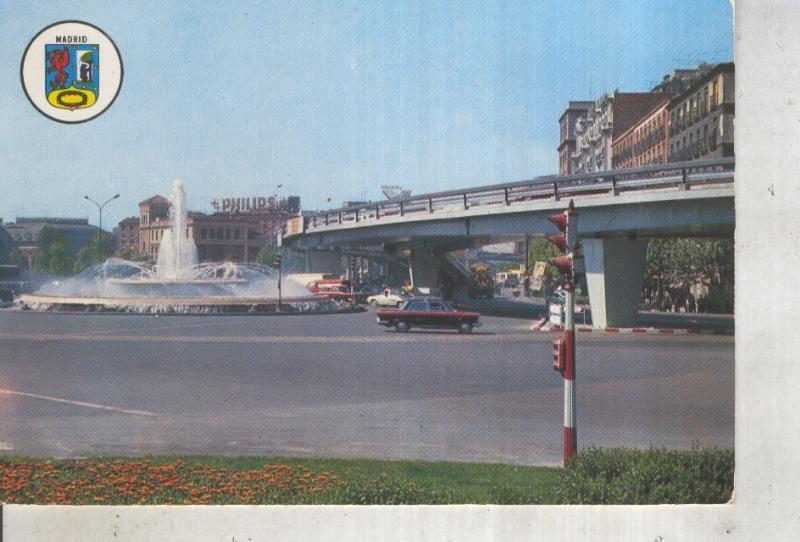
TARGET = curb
(645,330)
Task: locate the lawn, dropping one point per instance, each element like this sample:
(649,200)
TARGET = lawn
(598,476)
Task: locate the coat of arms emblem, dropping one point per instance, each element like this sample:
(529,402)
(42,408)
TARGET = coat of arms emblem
(72,75)
(70,61)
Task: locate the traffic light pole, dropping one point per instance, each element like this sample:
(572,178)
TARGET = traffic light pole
(564,350)
(352,280)
(570,401)
(279,265)
(570,421)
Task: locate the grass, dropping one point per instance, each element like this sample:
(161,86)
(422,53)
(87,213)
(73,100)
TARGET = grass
(598,476)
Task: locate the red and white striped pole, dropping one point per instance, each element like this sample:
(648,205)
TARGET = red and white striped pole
(564,352)
(570,402)
(570,419)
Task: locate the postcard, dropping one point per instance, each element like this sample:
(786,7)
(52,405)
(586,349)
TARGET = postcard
(367,254)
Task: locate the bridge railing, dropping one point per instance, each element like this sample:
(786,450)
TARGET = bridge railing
(611,183)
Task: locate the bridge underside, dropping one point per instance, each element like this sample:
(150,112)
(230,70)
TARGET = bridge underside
(613,237)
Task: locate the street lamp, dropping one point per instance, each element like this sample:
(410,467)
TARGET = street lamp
(100,207)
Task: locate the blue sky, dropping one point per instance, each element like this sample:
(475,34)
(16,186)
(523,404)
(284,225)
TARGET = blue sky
(331,99)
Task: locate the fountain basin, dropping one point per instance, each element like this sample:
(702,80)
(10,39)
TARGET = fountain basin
(180,305)
(158,281)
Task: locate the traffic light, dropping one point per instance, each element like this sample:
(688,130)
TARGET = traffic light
(563,264)
(565,241)
(276,263)
(559,355)
(559,240)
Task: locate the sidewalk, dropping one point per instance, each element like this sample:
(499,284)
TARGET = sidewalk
(666,322)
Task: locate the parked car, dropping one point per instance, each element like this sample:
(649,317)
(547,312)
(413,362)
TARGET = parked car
(387,298)
(428,312)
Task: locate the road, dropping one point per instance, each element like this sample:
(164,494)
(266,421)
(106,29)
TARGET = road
(341,386)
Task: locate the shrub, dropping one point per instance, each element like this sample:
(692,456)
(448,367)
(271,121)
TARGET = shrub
(383,490)
(626,476)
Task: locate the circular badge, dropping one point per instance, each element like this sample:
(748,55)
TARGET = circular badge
(71,71)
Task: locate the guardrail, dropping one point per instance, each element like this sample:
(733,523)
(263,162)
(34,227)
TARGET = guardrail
(678,175)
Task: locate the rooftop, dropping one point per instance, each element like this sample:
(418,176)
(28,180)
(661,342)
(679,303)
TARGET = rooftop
(155,199)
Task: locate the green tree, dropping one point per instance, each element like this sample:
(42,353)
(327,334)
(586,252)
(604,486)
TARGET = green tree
(266,256)
(48,238)
(673,262)
(98,251)
(541,250)
(83,259)
(58,259)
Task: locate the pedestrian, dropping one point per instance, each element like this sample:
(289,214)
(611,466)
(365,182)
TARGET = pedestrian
(666,305)
(690,304)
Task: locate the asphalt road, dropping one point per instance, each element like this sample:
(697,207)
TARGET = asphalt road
(341,386)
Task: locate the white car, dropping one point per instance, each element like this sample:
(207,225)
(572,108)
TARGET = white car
(387,298)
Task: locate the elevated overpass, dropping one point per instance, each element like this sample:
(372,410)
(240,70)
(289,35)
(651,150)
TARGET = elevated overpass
(618,210)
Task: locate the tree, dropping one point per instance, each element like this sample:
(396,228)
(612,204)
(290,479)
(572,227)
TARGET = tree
(83,259)
(541,250)
(47,238)
(58,259)
(266,256)
(671,263)
(98,251)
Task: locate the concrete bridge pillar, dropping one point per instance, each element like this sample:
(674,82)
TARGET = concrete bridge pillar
(323,261)
(423,269)
(614,274)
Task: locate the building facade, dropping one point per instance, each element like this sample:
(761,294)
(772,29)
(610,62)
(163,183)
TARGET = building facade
(235,236)
(646,142)
(127,235)
(77,233)
(701,119)
(567,122)
(6,245)
(681,79)
(609,117)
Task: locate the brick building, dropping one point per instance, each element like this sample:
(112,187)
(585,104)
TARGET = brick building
(611,115)
(701,119)
(590,130)
(127,235)
(236,236)
(681,79)
(645,142)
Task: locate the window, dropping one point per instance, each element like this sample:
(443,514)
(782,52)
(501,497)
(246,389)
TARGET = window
(236,233)
(202,233)
(211,233)
(416,306)
(227,233)
(219,233)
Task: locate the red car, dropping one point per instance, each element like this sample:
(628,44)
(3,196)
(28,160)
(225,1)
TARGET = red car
(428,312)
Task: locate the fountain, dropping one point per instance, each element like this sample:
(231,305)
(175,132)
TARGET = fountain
(177,284)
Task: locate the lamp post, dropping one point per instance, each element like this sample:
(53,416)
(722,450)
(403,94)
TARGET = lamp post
(100,207)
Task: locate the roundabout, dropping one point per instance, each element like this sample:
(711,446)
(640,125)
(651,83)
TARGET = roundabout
(177,283)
